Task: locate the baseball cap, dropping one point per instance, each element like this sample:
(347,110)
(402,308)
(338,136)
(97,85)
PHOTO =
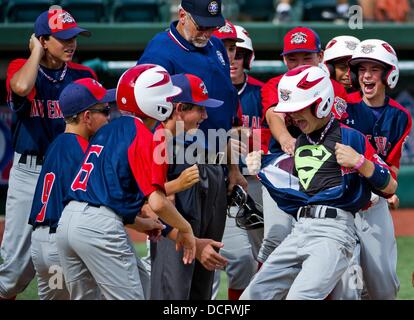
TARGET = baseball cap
(193,91)
(301,39)
(83,94)
(227,32)
(206,13)
(59,24)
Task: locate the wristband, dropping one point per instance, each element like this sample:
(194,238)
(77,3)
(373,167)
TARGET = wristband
(360,162)
(380,177)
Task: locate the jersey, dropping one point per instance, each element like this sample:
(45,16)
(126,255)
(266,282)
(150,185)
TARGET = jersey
(61,162)
(170,50)
(118,170)
(386,133)
(37,119)
(270,99)
(352,194)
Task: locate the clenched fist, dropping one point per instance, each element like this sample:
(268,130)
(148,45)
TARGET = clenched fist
(346,156)
(254,161)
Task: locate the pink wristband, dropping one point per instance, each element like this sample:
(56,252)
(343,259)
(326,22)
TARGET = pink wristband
(360,162)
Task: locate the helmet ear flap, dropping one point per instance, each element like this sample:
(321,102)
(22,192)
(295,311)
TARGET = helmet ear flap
(353,76)
(331,69)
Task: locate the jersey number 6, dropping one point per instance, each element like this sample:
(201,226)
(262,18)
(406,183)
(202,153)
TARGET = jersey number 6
(86,169)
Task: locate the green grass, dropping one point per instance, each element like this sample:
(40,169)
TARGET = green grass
(405,268)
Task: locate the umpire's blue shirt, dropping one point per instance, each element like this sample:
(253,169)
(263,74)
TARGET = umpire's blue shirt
(170,50)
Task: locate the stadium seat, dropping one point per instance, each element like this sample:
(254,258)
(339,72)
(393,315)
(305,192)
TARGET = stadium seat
(26,10)
(257,10)
(136,10)
(86,10)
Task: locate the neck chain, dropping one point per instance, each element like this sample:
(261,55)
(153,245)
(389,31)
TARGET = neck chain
(62,76)
(328,126)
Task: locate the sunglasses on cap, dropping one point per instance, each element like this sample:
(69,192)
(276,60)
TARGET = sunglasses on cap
(105,111)
(199,28)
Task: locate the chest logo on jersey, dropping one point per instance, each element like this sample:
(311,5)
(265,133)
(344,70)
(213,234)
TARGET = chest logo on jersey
(52,109)
(221,58)
(308,160)
(382,145)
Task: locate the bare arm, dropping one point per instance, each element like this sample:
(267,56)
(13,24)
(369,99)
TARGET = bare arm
(186,180)
(279,131)
(24,80)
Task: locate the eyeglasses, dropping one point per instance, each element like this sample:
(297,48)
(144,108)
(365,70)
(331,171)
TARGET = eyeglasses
(199,28)
(105,111)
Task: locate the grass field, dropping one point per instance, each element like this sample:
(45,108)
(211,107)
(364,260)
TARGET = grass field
(405,269)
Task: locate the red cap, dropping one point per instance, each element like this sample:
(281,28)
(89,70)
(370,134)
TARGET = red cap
(227,32)
(301,39)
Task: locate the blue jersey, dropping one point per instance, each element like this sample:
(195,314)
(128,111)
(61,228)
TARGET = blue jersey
(61,162)
(251,103)
(119,170)
(170,50)
(386,133)
(353,194)
(38,119)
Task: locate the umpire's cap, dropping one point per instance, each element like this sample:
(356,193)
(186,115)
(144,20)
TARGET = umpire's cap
(206,13)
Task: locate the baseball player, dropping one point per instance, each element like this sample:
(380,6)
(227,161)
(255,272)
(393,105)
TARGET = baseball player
(241,246)
(373,68)
(301,46)
(84,105)
(118,173)
(329,179)
(33,88)
(170,279)
(337,53)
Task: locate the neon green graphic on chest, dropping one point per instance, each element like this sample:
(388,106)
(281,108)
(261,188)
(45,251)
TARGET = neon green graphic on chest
(307,166)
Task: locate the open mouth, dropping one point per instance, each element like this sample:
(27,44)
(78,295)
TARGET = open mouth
(369,87)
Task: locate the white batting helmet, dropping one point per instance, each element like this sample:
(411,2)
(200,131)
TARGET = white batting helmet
(246,44)
(339,48)
(303,87)
(378,51)
(147,91)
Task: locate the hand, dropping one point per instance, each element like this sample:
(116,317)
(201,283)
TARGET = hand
(346,156)
(34,44)
(148,225)
(235,177)
(208,256)
(393,202)
(189,177)
(186,241)
(288,143)
(254,161)
(147,212)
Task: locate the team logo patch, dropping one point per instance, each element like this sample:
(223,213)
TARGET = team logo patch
(65,17)
(285,94)
(221,58)
(213,8)
(340,106)
(226,28)
(298,38)
(367,49)
(203,88)
(351,45)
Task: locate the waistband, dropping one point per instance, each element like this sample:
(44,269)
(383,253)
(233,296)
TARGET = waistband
(30,159)
(322,212)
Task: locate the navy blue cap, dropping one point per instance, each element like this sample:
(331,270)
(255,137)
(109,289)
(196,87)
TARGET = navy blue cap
(59,24)
(206,13)
(83,94)
(193,91)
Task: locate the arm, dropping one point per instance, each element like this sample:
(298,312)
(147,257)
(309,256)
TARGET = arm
(24,80)
(379,176)
(279,131)
(186,180)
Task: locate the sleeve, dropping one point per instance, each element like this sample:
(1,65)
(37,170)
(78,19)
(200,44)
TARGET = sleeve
(269,95)
(156,56)
(341,96)
(14,101)
(371,155)
(149,175)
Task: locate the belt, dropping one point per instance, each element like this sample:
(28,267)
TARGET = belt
(30,159)
(317,212)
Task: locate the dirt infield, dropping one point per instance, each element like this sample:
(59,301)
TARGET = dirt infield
(403,223)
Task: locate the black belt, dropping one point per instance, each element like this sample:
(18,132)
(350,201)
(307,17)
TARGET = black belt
(25,157)
(312,212)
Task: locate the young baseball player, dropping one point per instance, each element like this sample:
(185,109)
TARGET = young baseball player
(33,88)
(170,279)
(84,105)
(337,53)
(373,68)
(328,180)
(119,172)
(241,246)
(301,46)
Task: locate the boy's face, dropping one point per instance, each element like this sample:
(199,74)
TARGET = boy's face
(296,59)
(370,79)
(193,117)
(236,68)
(98,117)
(306,121)
(60,49)
(230,46)
(342,73)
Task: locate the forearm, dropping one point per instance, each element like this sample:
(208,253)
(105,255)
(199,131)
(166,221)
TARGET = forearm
(380,178)
(277,126)
(24,80)
(173,187)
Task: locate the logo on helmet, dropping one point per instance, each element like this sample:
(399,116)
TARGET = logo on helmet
(226,28)
(351,45)
(299,38)
(285,94)
(367,49)
(213,8)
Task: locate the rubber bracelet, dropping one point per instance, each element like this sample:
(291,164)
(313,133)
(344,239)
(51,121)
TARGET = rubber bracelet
(360,162)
